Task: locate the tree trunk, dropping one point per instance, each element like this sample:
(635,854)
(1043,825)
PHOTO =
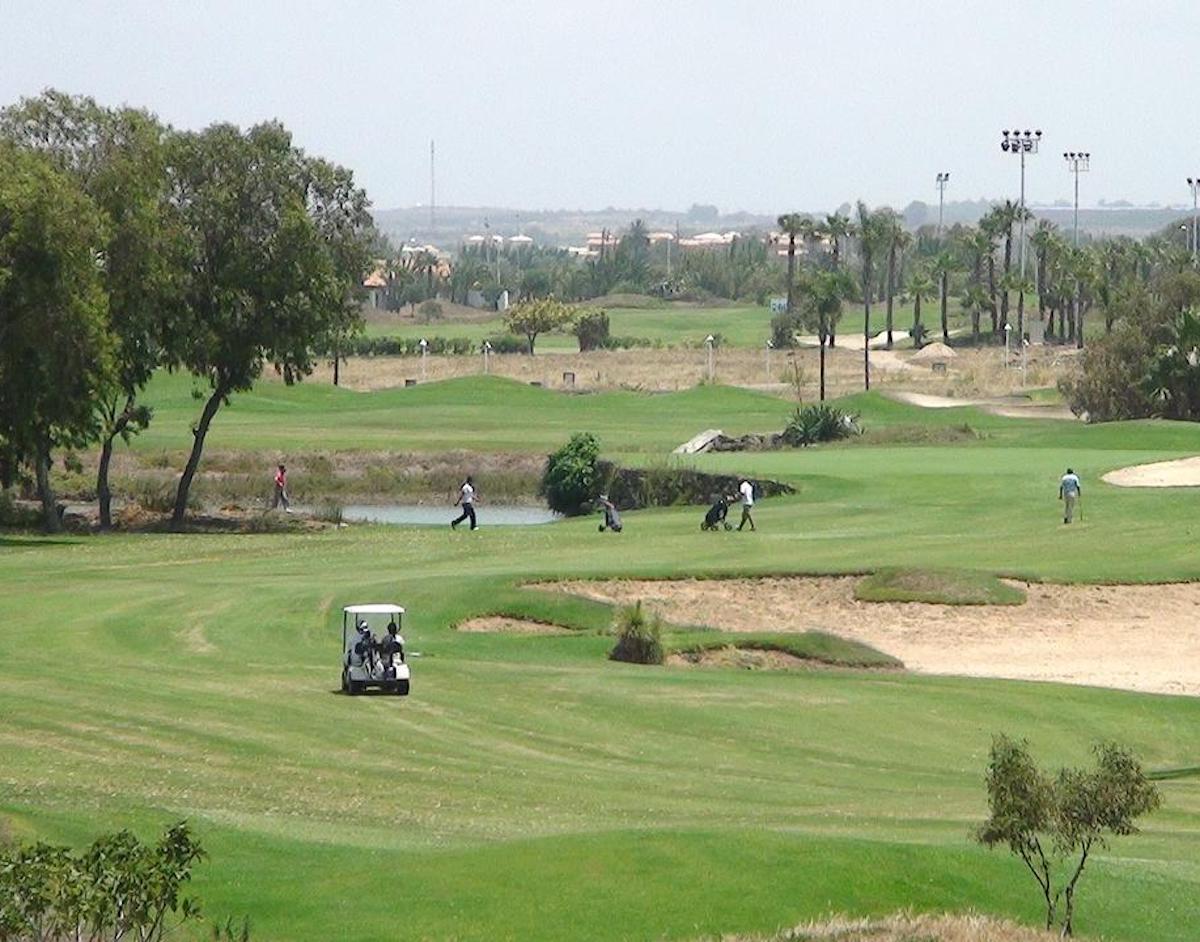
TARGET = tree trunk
(991,264)
(1078,320)
(791,290)
(103,491)
(945,315)
(1021,317)
(337,362)
(193,462)
(50,518)
(531,338)
(821,343)
(867,340)
(1007,270)
(891,290)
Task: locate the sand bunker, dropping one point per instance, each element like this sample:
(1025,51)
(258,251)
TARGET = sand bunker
(511,626)
(1130,637)
(1008,408)
(1183,472)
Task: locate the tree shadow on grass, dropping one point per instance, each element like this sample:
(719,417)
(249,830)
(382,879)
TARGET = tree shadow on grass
(27,542)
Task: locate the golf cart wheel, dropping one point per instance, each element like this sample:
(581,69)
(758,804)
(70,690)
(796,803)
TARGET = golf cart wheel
(354,687)
(345,681)
(401,688)
(729,526)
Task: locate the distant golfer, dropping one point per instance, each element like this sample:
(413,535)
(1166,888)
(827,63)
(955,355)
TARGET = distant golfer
(466,498)
(746,489)
(1068,492)
(612,516)
(281,496)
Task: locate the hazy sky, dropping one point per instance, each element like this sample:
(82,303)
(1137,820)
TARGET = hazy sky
(765,106)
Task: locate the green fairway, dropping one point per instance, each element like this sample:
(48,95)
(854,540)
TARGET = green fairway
(530,788)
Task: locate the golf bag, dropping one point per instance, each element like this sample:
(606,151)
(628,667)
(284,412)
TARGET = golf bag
(716,515)
(612,520)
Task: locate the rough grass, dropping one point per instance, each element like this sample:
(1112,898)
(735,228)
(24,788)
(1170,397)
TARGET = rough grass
(818,647)
(937,586)
(906,928)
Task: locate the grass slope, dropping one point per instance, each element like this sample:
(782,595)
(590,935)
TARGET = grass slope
(532,788)
(937,586)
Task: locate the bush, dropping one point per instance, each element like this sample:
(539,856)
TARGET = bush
(591,330)
(784,327)
(639,637)
(429,311)
(570,481)
(509,343)
(819,423)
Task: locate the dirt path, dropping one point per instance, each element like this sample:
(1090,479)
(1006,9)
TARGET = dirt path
(1131,637)
(1182,472)
(1009,408)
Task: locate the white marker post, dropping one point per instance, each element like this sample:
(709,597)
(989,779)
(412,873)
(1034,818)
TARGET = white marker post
(768,359)
(487,349)
(1007,338)
(709,341)
(424,345)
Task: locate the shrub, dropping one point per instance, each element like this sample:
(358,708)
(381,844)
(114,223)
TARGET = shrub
(784,327)
(1110,383)
(591,330)
(429,311)
(509,343)
(571,480)
(639,637)
(819,423)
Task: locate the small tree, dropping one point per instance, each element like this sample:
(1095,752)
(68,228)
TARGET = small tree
(571,478)
(537,317)
(1054,824)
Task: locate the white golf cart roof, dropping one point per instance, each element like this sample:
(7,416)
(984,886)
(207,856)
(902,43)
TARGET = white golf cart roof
(374,609)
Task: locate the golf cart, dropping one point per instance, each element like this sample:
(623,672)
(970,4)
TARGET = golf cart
(372,655)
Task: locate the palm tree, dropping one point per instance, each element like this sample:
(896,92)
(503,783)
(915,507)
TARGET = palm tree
(975,299)
(823,294)
(793,224)
(872,239)
(943,264)
(836,228)
(978,247)
(898,241)
(1000,221)
(919,286)
(1043,240)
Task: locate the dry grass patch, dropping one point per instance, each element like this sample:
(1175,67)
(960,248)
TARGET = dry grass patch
(502,624)
(906,928)
(750,659)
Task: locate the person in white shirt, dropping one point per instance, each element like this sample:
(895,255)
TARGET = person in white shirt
(466,497)
(1069,490)
(746,489)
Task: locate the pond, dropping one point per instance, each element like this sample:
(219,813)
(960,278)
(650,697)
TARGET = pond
(500,515)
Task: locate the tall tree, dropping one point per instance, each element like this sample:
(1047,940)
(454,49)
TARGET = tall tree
(898,241)
(944,264)
(793,226)
(872,239)
(824,292)
(920,286)
(118,159)
(277,245)
(836,228)
(55,347)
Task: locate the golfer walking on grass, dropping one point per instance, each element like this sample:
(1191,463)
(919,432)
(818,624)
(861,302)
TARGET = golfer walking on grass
(746,489)
(466,498)
(1068,492)
(281,496)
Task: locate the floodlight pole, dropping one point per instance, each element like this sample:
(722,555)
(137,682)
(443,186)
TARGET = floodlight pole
(1077,163)
(1021,143)
(942,180)
(1194,185)
(708,342)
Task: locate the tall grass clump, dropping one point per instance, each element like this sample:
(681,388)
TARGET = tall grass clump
(639,636)
(819,423)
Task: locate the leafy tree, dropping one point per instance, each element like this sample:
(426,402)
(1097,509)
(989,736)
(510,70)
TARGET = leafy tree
(824,292)
(1053,824)
(117,157)
(55,346)
(117,888)
(537,317)
(571,479)
(277,248)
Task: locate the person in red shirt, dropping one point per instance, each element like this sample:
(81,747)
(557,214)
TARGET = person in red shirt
(281,496)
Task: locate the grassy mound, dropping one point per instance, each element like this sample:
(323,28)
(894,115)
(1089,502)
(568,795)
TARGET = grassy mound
(906,928)
(937,586)
(815,646)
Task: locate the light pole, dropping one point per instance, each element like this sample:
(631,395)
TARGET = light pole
(708,342)
(424,345)
(1077,163)
(487,349)
(1021,143)
(1194,185)
(942,180)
